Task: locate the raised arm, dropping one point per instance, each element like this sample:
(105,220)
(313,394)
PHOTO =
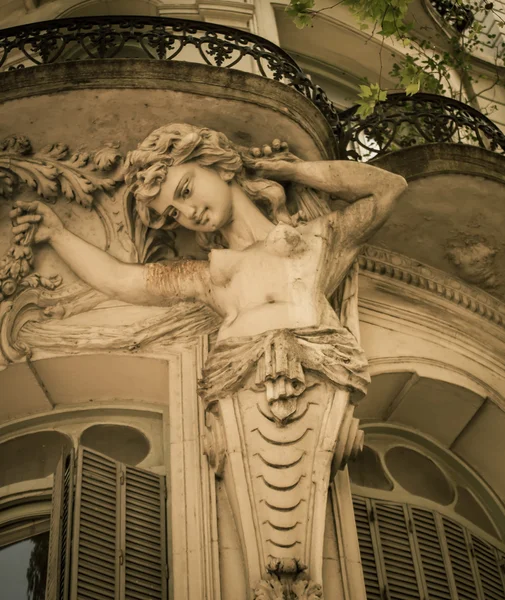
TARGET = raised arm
(136,284)
(371,192)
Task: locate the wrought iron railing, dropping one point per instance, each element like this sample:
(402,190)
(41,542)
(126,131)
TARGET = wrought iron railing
(403,121)
(155,38)
(455,13)
(397,123)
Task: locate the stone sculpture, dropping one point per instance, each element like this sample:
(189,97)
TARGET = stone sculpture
(277,382)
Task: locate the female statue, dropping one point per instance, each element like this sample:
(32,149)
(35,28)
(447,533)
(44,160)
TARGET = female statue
(270,279)
(272,275)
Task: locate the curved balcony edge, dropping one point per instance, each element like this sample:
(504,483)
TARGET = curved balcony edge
(155,38)
(403,121)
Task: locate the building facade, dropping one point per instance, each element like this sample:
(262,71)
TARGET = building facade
(121,475)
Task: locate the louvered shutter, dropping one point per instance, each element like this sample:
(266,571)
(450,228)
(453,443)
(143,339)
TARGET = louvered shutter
(461,560)
(367,549)
(397,552)
(431,555)
(95,565)
(145,573)
(58,563)
(118,546)
(488,563)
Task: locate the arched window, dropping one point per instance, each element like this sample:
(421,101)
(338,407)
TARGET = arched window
(100,497)
(427,526)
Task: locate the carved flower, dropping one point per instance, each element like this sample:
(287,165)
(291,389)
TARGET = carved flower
(8,287)
(16,143)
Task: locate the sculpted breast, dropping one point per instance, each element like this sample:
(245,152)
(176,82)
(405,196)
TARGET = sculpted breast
(285,240)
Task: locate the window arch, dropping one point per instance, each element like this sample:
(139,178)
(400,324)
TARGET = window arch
(428,527)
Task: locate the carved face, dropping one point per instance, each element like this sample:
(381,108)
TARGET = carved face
(196,197)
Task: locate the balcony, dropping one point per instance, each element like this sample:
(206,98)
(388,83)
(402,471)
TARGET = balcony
(405,121)
(399,123)
(87,82)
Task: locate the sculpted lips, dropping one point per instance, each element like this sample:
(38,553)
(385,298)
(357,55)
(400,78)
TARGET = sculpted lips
(202,217)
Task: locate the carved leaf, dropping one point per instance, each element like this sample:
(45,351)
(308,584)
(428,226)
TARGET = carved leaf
(51,172)
(18,144)
(108,157)
(79,159)
(271,589)
(56,151)
(7,182)
(36,174)
(304,589)
(50,283)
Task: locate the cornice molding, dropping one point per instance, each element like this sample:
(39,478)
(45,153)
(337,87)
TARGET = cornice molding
(389,264)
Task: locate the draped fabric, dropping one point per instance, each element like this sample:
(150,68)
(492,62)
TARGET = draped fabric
(282,355)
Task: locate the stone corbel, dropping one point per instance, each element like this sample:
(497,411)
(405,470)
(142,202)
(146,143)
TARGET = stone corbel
(277,476)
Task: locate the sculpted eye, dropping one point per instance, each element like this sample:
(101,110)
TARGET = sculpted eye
(172,212)
(186,192)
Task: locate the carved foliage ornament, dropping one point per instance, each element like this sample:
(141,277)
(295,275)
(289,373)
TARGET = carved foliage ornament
(287,580)
(52,172)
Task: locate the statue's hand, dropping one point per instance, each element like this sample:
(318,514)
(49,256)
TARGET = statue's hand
(37,217)
(270,150)
(281,170)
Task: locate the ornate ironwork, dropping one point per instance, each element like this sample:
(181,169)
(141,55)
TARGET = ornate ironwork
(155,38)
(403,121)
(397,123)
(458,15)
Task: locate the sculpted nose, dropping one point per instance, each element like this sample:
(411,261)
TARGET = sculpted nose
(188,211)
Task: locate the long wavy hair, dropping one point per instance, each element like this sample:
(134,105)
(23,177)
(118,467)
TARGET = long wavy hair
(146,169)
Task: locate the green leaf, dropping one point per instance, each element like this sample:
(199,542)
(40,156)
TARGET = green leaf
(413,88)
(302,20)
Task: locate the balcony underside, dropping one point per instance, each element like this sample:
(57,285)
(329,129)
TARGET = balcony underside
(95,101)
(452,215)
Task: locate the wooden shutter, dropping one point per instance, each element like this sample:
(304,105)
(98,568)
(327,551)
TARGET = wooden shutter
(461,560)
(488,563)
(367,549)
(411,553)
(112,545)
(95,566)
(145,572)
(431,555)
(397,552)
(58,564)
